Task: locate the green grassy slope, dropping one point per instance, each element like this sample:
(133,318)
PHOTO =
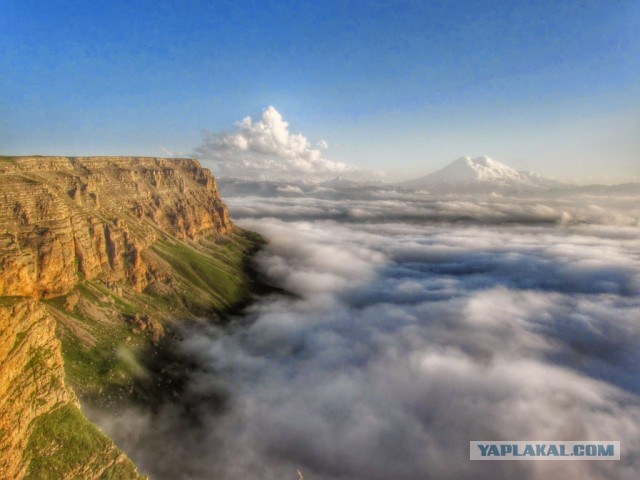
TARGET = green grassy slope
(64,444)
(107,352)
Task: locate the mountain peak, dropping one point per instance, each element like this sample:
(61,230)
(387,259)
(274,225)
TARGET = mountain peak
(475,173)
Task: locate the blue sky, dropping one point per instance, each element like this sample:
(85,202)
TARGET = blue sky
(399,86)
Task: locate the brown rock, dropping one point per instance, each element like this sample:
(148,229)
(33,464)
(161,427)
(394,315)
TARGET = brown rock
(31,378)
(71,301)
(55,230)
(63,220)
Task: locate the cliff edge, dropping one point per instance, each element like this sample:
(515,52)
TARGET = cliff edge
(98,256)
(66,218)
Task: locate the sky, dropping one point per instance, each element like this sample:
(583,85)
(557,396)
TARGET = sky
(403,87)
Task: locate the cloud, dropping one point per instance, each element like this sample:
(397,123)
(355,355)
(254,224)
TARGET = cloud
(266,149)
(405,340)
(384,203)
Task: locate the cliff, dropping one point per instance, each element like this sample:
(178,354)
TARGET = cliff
(37,406)
(98,256)
(63,218)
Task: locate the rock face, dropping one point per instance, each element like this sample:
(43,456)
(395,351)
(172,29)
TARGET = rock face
(33,393)
(63,218)
(31,378)
(84,242)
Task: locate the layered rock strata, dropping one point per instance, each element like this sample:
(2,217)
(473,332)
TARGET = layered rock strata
(75,233)
(62,219)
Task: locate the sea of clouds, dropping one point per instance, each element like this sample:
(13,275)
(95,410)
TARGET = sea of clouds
(412,325)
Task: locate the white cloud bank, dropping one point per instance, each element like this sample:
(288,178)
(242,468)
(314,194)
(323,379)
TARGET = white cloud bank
(265,149)
(407,337)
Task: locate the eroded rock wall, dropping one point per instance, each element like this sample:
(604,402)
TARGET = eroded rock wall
(66,218)
(31,378)
(63,222)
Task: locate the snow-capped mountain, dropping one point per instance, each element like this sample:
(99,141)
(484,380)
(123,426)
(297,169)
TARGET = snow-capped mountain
(477,174)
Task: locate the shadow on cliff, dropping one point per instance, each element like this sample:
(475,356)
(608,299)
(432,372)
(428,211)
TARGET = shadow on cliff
(168,367)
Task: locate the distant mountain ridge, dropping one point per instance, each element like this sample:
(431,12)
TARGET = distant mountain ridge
(478,174)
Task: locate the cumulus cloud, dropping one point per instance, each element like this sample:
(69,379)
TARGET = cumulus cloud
(405,340)
(266,149)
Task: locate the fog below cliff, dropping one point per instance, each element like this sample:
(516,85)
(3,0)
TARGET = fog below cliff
(416,324)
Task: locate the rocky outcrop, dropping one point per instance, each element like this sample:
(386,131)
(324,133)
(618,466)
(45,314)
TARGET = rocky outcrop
(33,394)
(66,218)
(31,378)
(80,240)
